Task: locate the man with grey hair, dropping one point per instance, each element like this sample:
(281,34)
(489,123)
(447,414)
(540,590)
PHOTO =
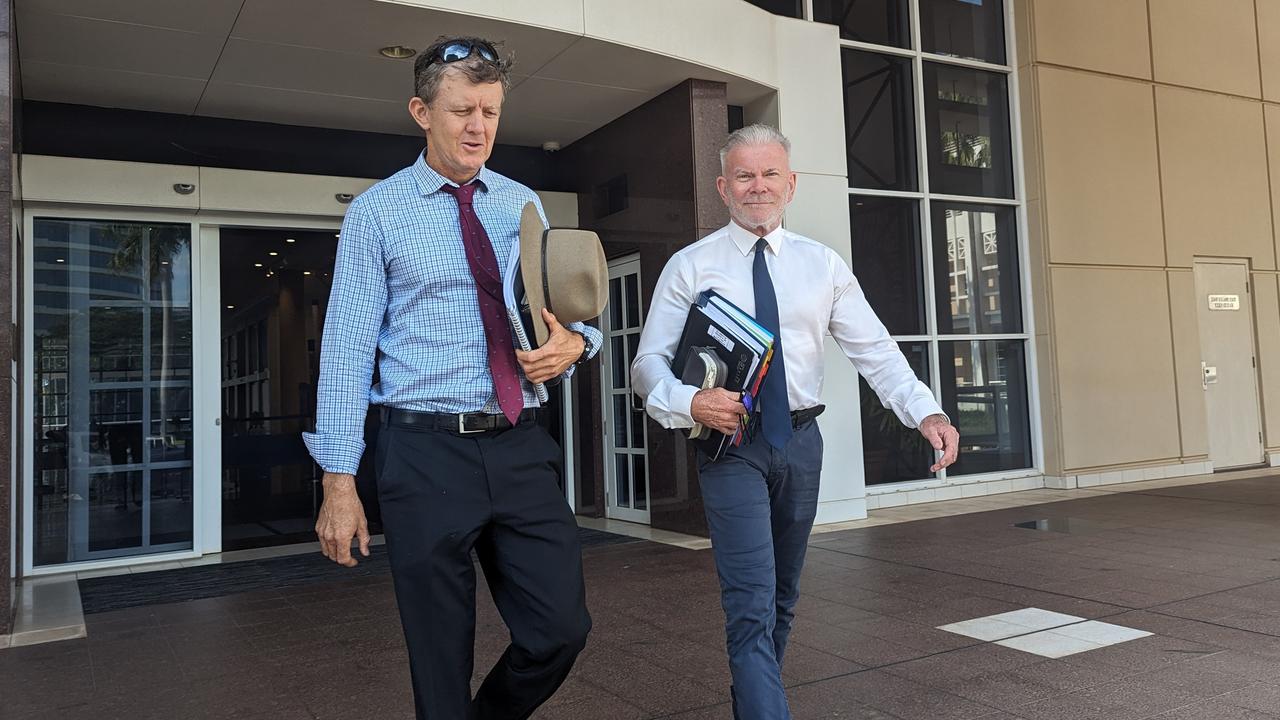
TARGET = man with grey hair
(462,462)
(761,497)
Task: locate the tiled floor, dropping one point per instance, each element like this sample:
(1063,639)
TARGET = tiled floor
(1196,566)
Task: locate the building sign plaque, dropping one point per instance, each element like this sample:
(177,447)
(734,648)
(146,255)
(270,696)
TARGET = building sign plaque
(1224,302)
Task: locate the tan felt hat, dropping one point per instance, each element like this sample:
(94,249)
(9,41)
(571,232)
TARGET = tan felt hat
(564,270)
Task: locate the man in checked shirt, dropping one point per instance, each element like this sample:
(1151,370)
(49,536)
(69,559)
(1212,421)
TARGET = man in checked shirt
(461,462)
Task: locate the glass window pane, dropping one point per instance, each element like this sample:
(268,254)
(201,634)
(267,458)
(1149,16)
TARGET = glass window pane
(171,509)
(115,510)
(882,22)
(633,301)
(887,260)
(892,452)
(786,8)
(967,121)
(984,390)
(621,482)
(975,262)
(115,424)
(642,492)
(637,428)
(879,121)
(615,304)
(111,318)
(618,359)
(620,413)
(171,343)
(171,436)
(971,29)
(115,343)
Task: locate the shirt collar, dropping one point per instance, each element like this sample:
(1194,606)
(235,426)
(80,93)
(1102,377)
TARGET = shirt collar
(430,181)
(746,240)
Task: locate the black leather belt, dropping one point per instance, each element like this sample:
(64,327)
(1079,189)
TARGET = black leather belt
(800,417)
(460,423)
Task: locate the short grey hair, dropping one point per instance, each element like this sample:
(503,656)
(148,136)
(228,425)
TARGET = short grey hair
(428,74)
(755,134)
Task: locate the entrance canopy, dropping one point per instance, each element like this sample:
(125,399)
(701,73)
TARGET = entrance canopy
(318,62)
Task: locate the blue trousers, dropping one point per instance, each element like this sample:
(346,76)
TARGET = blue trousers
(760,505)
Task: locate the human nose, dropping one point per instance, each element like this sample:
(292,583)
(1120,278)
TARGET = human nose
(475,123)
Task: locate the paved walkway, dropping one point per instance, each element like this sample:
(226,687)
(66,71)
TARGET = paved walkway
(1160,603)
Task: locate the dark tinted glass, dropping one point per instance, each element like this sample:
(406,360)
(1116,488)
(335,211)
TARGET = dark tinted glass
(879,121)
(963,28)
(984,390)
(887,260)
(892,452)
(788,8)
(975,263)
(967,123)
(883,22)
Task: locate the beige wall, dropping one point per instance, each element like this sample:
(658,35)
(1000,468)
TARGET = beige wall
(1151,136)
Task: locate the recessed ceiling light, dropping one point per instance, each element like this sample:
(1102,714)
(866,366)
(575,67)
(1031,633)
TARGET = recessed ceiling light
(306,272)
(398,52)
(290,240)
(61,260)
(164,262)
(231,307)
(273,253)
(257,264)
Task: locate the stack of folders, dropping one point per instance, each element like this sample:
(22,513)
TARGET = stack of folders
(722,346)
(518,312)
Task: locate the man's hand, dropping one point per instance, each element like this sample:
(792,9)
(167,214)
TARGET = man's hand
(718,409)
(341,518)
(944,437)
(562,349)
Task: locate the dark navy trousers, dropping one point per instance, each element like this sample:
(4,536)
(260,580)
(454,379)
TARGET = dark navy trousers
(760,504)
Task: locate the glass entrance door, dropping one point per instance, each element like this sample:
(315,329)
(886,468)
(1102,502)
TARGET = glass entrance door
(112,415)
(274,292)
(626,469)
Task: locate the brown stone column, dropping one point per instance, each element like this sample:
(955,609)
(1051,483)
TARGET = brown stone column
(646,184)
(9,97)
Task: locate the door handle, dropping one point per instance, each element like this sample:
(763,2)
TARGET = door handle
(1208,375)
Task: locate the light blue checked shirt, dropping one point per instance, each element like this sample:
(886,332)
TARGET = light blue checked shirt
(403,292)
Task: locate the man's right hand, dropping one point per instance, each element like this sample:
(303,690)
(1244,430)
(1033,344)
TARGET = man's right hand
(718,409)
(341,518)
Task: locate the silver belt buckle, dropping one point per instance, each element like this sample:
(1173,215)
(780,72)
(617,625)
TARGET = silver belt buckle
(462,426)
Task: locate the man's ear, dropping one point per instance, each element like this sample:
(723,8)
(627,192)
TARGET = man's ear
(418,111)
(722,187)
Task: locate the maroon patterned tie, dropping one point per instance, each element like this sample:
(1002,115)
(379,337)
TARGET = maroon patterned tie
(493,311)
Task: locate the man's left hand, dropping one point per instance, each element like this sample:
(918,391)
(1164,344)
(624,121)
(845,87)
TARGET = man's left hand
(944,438)
(562,349)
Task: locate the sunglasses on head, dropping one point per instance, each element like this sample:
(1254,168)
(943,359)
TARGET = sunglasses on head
(456,50)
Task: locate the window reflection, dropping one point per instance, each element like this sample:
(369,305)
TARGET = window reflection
(984,386)
(891,451)
(972,29)
(887,260)
(975,259)
(879,22)
(879,117)
(111,342)
(967,117)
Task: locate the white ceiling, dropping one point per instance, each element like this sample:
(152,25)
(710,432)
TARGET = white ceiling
(316,63)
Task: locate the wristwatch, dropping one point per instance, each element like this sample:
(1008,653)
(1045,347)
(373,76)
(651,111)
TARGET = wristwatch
(586,348)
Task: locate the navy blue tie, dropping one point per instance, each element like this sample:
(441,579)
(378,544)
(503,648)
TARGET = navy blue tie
(775,411)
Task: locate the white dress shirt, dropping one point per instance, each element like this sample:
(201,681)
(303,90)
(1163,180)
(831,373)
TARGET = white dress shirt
(817,296)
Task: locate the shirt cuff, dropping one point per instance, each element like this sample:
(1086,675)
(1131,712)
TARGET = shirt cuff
(335,453)
(923,407)
(682,402)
